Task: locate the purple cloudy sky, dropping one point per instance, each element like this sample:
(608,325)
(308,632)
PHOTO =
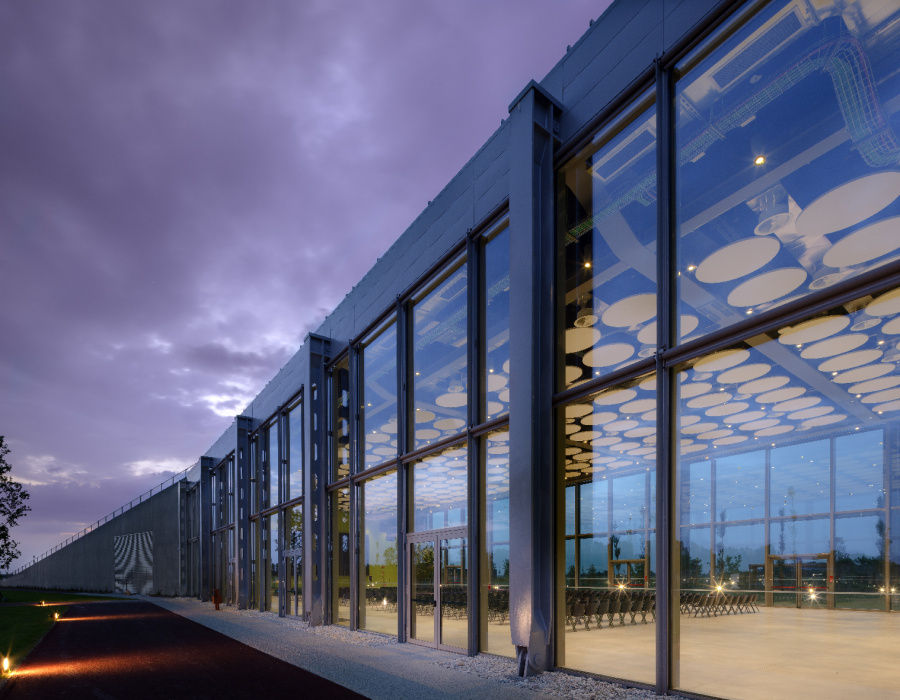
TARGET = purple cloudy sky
(187,188)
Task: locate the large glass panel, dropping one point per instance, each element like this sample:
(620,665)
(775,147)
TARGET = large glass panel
(797,430)
(340,402)
(294,469)
(440,360)
(787,158)
(378,554)
(608,236)
(454,593)
(422,605)
(254,476)
(494,632)
(340,556)
(378,404)
(255,563)
(440,490)
(294,563)
(496,325)
(607,459)
(271,555)
(859,544)
(272,465)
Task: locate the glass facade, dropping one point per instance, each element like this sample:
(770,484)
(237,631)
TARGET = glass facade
(495,293)
(378,553)
(440,360)
(608,445)
(294,469)
(607,221)
(378,403)
(340,556)
(340,386)
(494,629)
(713,476)
(439,487)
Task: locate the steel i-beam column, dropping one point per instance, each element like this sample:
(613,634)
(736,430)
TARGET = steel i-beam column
(533,120)
(242,510)
(206,465)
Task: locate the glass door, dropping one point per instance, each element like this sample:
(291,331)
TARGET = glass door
(293,582)
(802,581)
(813,579)
(438,594)
(422,594)
(784,582)
(454,593)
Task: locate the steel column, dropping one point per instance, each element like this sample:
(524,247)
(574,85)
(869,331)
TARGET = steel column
(532,124)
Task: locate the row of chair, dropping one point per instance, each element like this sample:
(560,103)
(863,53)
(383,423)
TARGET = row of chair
(594,607)
(706,604)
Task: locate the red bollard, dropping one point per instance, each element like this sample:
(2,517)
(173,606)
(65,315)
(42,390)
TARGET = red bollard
(215,597)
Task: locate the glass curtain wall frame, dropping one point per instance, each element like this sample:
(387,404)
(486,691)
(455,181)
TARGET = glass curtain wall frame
(494,634)
(379,552)
(493,323)
(785,506)
(606,449)
(378,357)
(798,200)
(341,553)
(607,243)
(340,420)
(293,471)
(607,326)
(438,354)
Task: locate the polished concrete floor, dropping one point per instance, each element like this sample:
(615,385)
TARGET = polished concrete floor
(774,653)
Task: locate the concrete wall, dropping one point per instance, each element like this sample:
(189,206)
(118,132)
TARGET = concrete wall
(88,565)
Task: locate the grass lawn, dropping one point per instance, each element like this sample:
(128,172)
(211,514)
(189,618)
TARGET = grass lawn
(17,596)
(22,627)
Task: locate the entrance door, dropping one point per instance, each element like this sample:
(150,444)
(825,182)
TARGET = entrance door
(293,582)
(438,594)
(802,581)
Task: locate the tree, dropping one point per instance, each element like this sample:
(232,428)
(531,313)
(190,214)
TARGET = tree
(12,507)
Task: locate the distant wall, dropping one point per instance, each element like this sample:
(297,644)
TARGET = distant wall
(89,563)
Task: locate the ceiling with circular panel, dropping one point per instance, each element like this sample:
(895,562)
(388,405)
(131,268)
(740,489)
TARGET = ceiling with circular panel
(783,190)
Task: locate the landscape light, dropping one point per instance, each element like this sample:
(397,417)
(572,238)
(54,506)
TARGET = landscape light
(5,665)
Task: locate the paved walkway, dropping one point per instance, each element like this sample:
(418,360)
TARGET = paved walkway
(372,665)
(137,650)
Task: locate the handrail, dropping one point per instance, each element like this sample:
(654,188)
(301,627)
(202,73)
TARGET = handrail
(180,476)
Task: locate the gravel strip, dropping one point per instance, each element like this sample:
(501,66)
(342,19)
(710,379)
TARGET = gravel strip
(485,666)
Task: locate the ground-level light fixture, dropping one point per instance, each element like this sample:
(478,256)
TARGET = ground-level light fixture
(5,664)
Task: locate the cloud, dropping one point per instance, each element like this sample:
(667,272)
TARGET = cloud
(186,189)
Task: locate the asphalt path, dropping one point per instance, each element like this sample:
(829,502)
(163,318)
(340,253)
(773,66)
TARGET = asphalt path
(137,651)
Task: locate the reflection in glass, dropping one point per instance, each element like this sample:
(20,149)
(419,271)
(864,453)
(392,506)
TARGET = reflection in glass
(378,554)
(340,385)
(790,428)
(272,465)
(378,414)
(271,554)
(454,593)
(340,556)
(423,603)
(255,563)
(295,456)
(496,323)
(609,457)
(494,630)
(440,490)
(293,577)
(440,360)
(787,159)
(608,223)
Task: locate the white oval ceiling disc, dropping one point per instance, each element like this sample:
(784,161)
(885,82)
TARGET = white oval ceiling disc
(849,204)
